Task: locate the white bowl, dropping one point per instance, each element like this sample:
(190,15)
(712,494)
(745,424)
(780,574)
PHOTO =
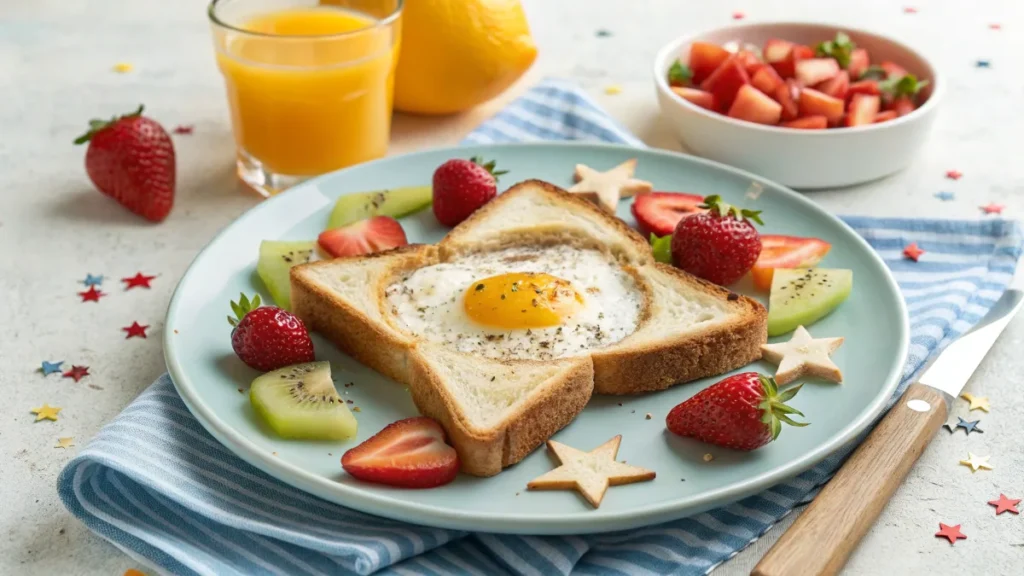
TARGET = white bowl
(828,158)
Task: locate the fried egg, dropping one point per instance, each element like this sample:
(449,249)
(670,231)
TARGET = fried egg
(519,303)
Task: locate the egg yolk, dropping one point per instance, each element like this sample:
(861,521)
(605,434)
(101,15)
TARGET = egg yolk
(521,300)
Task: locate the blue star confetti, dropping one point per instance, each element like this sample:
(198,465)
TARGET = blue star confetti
(91,280)
(969,426)
(602,33)
(983,64)
(945,196)
(51,367)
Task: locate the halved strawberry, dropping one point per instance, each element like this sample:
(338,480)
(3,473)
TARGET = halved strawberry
(410,453)
(776,50)
(814,103)
(785,252)
(869,87)
(893,70)
(863,109)
(753,105)
(837,86)
(886,116)
(902,106)
(815,70)
(659,212)
(363,237)
(705,58)
(807,123)
(788,94)
(698,97)
(766,79)
(725,82)
(859,62)
(787,68)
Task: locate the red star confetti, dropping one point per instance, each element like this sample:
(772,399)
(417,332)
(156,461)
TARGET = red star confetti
(992,208)
(954,174)
(77,372)
(138,281)
(738,15)
(183,129)
(92,294)
(1004,504)
(953,533)
(995,26)
(913,252)
(135,329)
(910,10)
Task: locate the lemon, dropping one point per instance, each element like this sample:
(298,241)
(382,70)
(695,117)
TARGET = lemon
(459,53)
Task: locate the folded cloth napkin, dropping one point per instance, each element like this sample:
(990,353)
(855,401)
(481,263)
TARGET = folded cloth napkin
(156,485)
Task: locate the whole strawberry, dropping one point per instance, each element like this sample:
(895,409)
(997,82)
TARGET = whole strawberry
(131,159)
(267,337)
(461,187)
(742,412)
(719,245)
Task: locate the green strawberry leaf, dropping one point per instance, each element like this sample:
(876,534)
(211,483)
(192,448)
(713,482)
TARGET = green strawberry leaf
(489,166)
(662,248)
(98,125)
(679,74)
(716,206)
(873,72)
(908,86)
(774,411)
(841,49)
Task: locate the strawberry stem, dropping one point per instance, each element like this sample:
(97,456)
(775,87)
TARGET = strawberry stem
(716,206)
(774,411)
(489,166)
(243,307)
(96,126)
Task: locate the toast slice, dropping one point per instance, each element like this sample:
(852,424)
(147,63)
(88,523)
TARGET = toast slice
(496,411)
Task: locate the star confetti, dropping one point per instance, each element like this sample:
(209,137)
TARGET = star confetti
(976,463)
(969,426)
(983,64)
(954,174)
(134,330)
(46,412)
(995,26)
(953,533)
(602,33)
(913,252)
(910,10)
(738,15)
(51,367)
(65,442)
(1004,504)
(613,90)
(140,280)
(91,280)
(977,402)
(183,129)
(77,372)
(945,196)
(589,473)
(123,67)
(92,294)
(992,208)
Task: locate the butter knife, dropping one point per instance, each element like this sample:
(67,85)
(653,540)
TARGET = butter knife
(820,541)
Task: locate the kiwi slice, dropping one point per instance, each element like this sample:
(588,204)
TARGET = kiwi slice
(276,259)
(394,202)
(300,401)
(802,296)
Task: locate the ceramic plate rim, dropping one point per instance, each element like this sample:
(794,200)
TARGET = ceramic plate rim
(574,523)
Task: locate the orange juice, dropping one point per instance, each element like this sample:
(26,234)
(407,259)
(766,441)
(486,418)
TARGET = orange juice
(310,88)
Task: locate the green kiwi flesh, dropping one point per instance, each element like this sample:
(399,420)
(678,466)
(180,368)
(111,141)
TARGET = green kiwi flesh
(300,401)
(276,259)
(802,296)
(394,202)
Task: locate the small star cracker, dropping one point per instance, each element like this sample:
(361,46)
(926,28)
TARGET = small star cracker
(51,367)
(954,174)
(913,252)
(138,281)
(589,473)
(977,402)
(952,533)
(992,208)
(92,294)
(134,330)
(46,412)
(969,426)
(1004,504)
(803,356)
(606,188)
(91,280)
(65,442)
(77,372)
(976,463)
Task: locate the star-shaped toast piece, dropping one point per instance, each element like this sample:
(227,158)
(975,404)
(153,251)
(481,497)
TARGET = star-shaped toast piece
(804,356)
(589,473)
(606,188)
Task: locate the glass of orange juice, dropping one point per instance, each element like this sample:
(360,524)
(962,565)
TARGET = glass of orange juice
(309,83)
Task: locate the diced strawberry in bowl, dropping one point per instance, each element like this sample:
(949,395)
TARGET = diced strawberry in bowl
(807,123)
(837,86)
(863,109)
(705,58)
(885,116)
(893,71)
(815,70)
(788,95)
(725,82)
(902,106)
(869,87)
(814,103)
(750,62)
(767,80)
(753,105)
(859,62)
(698,97)
(776,50)
(787,67)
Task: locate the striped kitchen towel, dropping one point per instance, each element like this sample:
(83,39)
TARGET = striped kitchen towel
(156,485)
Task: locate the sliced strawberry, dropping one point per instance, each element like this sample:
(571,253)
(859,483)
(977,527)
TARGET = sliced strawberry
(705,58)
(787,95)
(837,86)
(725,82)
(815,70)
(698,97)
(807,123)
(787,68)
(785,252)
(893,70)
(750,62)
(659,212)
(363,237)
(869,87)
(766,79)
(776,50)
(863,109)
(410,453)
(859,62)
(902,106)
(814,103)
(886,116)
(753,105)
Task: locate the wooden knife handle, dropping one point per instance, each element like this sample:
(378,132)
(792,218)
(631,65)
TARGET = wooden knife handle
(822,538)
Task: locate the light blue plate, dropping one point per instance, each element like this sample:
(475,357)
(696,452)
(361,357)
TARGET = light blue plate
(208,375)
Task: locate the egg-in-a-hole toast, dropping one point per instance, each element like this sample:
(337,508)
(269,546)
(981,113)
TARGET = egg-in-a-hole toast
(504,329)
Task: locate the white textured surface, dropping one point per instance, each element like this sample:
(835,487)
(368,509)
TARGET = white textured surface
(55,65)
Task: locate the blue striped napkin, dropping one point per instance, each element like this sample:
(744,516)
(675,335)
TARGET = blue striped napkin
(157,486)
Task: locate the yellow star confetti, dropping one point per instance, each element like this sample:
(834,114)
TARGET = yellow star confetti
(123,67)
(977,402)
(589,473)
(976,463)
(613,90)
(66,442)
(46,411)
